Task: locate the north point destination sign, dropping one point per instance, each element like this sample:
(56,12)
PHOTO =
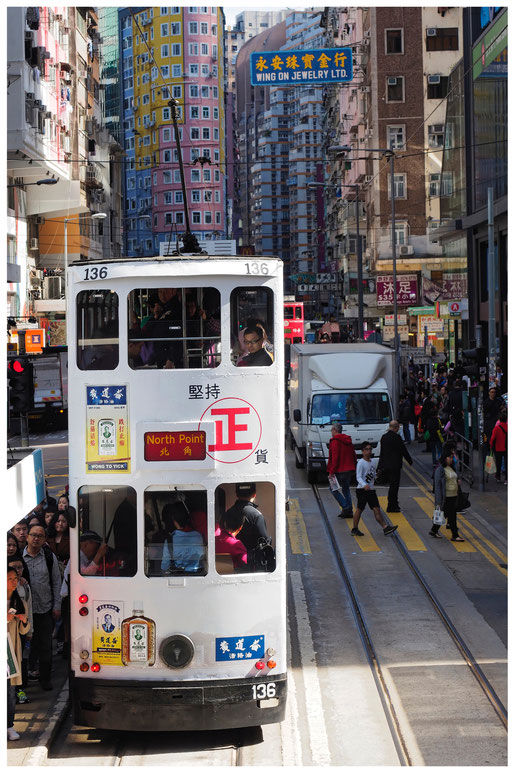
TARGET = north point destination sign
(297,66)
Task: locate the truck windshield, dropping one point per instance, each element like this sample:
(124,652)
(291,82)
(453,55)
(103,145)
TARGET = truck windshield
(355,408)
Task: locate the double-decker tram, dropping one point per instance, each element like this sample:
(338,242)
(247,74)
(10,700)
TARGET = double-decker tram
(177,578)
(293,321)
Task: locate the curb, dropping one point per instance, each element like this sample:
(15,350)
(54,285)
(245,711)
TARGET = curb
(38,755)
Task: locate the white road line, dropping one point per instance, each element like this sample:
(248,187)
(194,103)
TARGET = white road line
(318,741)
(290,732)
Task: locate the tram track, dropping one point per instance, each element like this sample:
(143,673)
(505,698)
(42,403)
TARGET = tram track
(368,644)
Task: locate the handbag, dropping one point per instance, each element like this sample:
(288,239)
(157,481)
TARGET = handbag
(438,516)
(427,435)
(463,501)
(490,465)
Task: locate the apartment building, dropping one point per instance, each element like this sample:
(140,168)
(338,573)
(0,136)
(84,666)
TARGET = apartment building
(402,61)
(172,52)
(53,131)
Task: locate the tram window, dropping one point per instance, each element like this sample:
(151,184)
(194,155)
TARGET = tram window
(252,310)
(288,312)
(175,532)
(107,531)
(242,525)
(298,312)
(97,330)
(173,327)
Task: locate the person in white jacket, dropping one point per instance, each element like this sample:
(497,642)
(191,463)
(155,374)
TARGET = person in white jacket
(366,494)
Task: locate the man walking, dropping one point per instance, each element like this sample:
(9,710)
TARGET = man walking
(366,494)
(45,583)
(390,460)
(341,463)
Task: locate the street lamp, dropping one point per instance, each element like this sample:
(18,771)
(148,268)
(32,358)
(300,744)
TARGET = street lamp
(44,181)
(390,155)
(94,216)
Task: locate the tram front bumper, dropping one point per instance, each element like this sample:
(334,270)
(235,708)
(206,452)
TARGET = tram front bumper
(152,706)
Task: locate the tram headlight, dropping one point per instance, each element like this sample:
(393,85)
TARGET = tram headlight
(84,655)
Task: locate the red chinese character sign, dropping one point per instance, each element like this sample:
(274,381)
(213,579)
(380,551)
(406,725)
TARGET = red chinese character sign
(237,432)
(407,290)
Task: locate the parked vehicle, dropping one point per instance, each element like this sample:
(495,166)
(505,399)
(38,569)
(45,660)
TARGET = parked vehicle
(349,383)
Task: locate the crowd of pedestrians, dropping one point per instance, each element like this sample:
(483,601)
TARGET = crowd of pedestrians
(430,411)
(38,550)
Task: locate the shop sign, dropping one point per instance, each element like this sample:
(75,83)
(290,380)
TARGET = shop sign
(407,290)
(389,319)
(433,324)
(388,332)
(294,68)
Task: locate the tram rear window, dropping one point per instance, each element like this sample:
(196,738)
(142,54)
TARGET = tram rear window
(175,532)
(252,326)
(245,527)
(174,327)
(97,330)
(107,531)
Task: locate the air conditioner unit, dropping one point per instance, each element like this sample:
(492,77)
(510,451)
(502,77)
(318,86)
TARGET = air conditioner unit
(48,114)
(433,79)
(36,278)
(405,249)
(365,89)
(34,244)
(392,81)
(366,34)
(82,74)
(431,32)
(37,103)
(436,128)
(53,288)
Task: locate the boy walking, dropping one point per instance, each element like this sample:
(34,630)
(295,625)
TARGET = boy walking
(366,493)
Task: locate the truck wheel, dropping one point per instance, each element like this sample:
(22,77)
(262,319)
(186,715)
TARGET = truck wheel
(312,476)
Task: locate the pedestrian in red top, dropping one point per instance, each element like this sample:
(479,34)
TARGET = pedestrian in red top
(499,445)
(341,465)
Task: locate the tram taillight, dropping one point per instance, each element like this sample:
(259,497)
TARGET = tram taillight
(95,667)
(83,599)
(83,611)
(260,665)
(271,664)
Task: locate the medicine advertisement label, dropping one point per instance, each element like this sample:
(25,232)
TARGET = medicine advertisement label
(107,632)
(107,429)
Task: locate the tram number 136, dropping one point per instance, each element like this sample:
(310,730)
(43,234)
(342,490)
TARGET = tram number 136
(257,268)
(260,691)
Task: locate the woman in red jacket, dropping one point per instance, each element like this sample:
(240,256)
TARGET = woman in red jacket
(341,464)
(499,445)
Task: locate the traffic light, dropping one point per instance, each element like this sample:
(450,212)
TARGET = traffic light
(20,373)
(477,369)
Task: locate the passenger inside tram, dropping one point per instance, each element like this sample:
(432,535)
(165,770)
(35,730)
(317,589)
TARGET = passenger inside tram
(175,533)
(252,308)
(174,328)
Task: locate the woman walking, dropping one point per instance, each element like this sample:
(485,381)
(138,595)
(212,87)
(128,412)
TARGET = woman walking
(17,623)
(446,494)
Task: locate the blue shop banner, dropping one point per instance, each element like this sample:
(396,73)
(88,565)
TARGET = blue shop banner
(240,648)
(316,66)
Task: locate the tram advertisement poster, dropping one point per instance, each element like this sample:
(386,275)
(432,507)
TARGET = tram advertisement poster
(107,436)
(107,632)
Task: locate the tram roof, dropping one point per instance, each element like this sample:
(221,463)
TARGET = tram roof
(171,259)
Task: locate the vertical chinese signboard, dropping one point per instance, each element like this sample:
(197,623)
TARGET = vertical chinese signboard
(107,433)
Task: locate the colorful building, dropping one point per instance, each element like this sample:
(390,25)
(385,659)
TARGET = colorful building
(172,53)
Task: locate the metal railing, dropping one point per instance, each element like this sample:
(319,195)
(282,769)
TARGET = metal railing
(465,453)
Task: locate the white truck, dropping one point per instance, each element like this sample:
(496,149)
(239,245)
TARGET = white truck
(352,384)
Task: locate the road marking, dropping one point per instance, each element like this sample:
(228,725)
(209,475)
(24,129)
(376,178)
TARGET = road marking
(318,741)
(297,531)
(290,732)
(366,543)
(405,531)
(428,507)
(487,542)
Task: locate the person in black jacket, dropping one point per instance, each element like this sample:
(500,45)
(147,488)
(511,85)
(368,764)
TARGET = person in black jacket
(405,417)
(254,525)
(390,460)
(492,406)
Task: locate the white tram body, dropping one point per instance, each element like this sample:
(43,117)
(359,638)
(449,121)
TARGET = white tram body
(167,416)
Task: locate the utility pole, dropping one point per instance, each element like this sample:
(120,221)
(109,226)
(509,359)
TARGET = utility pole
(480,420)
(492,292)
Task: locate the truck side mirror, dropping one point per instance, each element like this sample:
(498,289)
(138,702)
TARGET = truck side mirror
(297,415)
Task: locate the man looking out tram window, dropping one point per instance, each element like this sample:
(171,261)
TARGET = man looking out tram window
(254,525)
(253,338)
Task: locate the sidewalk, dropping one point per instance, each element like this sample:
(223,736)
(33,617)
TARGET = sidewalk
(37,721)
(490,505)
